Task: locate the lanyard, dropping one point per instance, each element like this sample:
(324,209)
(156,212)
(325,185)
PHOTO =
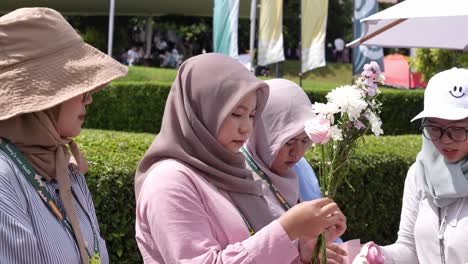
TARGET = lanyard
(35,180)
(265,177)
(247,223)
(244,218)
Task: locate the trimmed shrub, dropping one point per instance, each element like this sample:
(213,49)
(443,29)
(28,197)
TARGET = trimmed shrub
(398,108)
(139,106)
(113,157)
(376,171)
(130,106)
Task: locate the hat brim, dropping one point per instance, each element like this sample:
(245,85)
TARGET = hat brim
(45,82)
(452,113)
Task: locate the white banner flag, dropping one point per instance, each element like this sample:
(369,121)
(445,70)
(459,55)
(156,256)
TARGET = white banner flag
(270,36)
(313,30)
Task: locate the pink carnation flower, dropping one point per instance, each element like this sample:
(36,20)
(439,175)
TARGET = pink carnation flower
(318,129)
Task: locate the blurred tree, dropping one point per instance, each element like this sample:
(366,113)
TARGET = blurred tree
(94,29)
(432,61)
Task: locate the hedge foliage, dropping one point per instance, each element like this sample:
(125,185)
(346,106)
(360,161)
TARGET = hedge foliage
(112,158)
(131,106)
(138,107)
(376,171)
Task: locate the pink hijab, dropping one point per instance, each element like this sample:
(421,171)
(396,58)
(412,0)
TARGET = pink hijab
(283,118)
(207,88)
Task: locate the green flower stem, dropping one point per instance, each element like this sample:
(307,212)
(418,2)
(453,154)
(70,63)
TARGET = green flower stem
(324,248)
(320,250)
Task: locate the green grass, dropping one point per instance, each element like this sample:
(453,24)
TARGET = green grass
(328,77)
(149,74)
(331,76)
(332,73)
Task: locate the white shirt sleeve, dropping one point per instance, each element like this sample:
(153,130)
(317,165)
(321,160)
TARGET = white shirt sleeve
(403,251)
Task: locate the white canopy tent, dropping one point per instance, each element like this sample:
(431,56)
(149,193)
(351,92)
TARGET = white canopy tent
(418,24)
(126,7)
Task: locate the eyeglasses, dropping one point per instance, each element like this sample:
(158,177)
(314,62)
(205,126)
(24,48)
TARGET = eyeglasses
(86,96)
(434,133)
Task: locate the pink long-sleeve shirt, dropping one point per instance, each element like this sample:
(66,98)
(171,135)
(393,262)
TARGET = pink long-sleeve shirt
(182,218)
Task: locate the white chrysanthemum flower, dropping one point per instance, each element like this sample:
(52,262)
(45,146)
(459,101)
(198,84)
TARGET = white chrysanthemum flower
(327,110)
(349,99)
(375,122)
(336,133)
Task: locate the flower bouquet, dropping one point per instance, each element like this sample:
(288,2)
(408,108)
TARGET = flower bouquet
(351,112)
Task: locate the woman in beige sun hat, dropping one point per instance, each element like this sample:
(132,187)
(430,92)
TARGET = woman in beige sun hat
(47,76)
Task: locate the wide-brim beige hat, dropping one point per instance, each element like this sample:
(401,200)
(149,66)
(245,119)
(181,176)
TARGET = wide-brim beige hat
(44,62)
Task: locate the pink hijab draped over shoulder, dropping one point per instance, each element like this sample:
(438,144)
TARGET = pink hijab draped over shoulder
(287,109)
(207,88)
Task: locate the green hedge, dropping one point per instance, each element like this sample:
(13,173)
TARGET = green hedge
(377,172)
(113,157)
(130,106)
(138,107)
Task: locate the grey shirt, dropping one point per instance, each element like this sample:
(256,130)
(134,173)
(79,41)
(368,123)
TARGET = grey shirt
(29,232)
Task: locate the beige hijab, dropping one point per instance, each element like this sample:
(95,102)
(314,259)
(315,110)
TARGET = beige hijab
(206,90)
(36,136)
(284,116)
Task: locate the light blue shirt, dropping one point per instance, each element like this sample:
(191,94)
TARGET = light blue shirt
(309,188)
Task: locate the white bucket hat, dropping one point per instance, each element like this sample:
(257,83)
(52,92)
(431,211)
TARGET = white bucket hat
(44,62)
(446,96)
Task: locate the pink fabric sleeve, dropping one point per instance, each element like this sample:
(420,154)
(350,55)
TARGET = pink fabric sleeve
(404,249)
(172,217)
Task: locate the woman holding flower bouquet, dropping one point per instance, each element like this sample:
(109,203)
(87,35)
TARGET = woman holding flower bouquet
(434,217)
(277,143)
(196,200)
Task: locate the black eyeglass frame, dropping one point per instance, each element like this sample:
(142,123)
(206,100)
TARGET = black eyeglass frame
(442,132)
